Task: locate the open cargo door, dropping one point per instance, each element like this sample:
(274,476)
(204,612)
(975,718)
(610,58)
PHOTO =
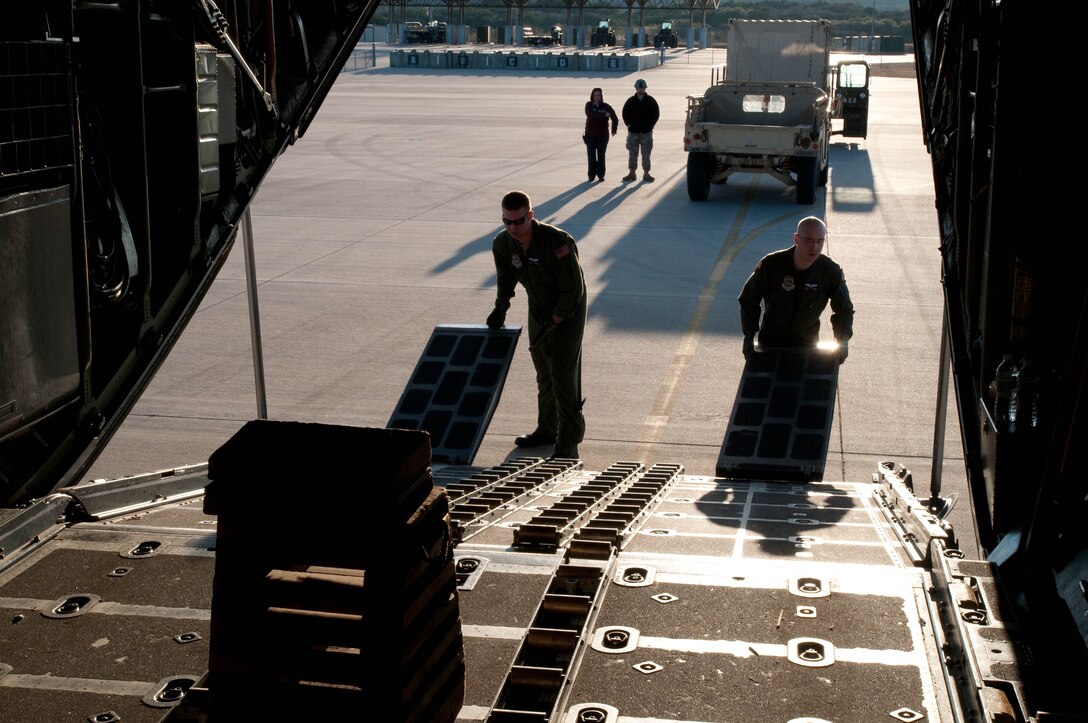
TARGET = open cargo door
(138,133)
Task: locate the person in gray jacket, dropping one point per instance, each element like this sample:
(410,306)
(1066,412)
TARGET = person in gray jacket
(640,115)
(791,288)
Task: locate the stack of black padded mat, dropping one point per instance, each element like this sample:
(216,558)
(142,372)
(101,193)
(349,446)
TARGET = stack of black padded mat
(334,581)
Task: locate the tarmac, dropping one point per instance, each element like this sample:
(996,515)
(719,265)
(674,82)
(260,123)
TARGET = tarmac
(376,226)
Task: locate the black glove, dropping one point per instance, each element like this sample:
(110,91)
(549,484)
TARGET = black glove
(749,347)
(497,317)
(844,351)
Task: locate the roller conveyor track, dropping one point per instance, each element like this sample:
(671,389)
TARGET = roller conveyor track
(485,496)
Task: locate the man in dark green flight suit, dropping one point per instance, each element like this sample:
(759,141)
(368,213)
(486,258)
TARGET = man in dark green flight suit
(544,259)
(795,286)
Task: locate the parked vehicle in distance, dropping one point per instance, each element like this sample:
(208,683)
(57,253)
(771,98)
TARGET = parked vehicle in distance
(666,37)
(432,32)
(603,35)
(555,37)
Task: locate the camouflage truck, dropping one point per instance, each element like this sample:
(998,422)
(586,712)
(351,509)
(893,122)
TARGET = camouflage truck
(770,111)
(666,37)
(555,37)
(603,34)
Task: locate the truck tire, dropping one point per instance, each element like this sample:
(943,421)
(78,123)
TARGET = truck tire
(823,175)
(700,166)
(807,178)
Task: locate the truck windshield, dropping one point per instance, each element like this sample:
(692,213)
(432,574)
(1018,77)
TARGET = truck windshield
(853,75)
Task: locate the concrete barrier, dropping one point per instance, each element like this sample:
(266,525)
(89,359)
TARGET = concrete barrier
(433,59)
(404,59)
(464,59)
(458,59)
(563,61)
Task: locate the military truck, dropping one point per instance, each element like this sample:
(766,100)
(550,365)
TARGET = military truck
(431,33)
(412,31)
(603,34)
(666,37)
(415,32)
(769,110)
(555,37)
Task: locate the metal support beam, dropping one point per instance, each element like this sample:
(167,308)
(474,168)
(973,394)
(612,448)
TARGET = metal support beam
(254,317)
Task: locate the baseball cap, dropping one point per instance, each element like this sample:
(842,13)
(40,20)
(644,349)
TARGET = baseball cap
(640,83)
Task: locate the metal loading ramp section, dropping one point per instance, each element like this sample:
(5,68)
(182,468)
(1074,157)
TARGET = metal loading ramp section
(781,421)
(455,388)
(720,601)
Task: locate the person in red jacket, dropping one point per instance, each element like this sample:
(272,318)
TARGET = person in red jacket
(598,114)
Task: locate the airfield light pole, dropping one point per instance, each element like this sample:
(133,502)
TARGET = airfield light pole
(872,31)
(254,317)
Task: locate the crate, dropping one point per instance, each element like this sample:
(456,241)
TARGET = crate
(345,594)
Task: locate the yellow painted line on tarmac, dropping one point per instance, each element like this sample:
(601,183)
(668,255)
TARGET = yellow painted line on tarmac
(653,426)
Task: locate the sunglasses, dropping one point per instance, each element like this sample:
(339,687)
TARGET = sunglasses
(515,221)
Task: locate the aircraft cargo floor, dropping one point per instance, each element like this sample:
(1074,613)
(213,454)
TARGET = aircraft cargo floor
(728,603)
(628,595)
